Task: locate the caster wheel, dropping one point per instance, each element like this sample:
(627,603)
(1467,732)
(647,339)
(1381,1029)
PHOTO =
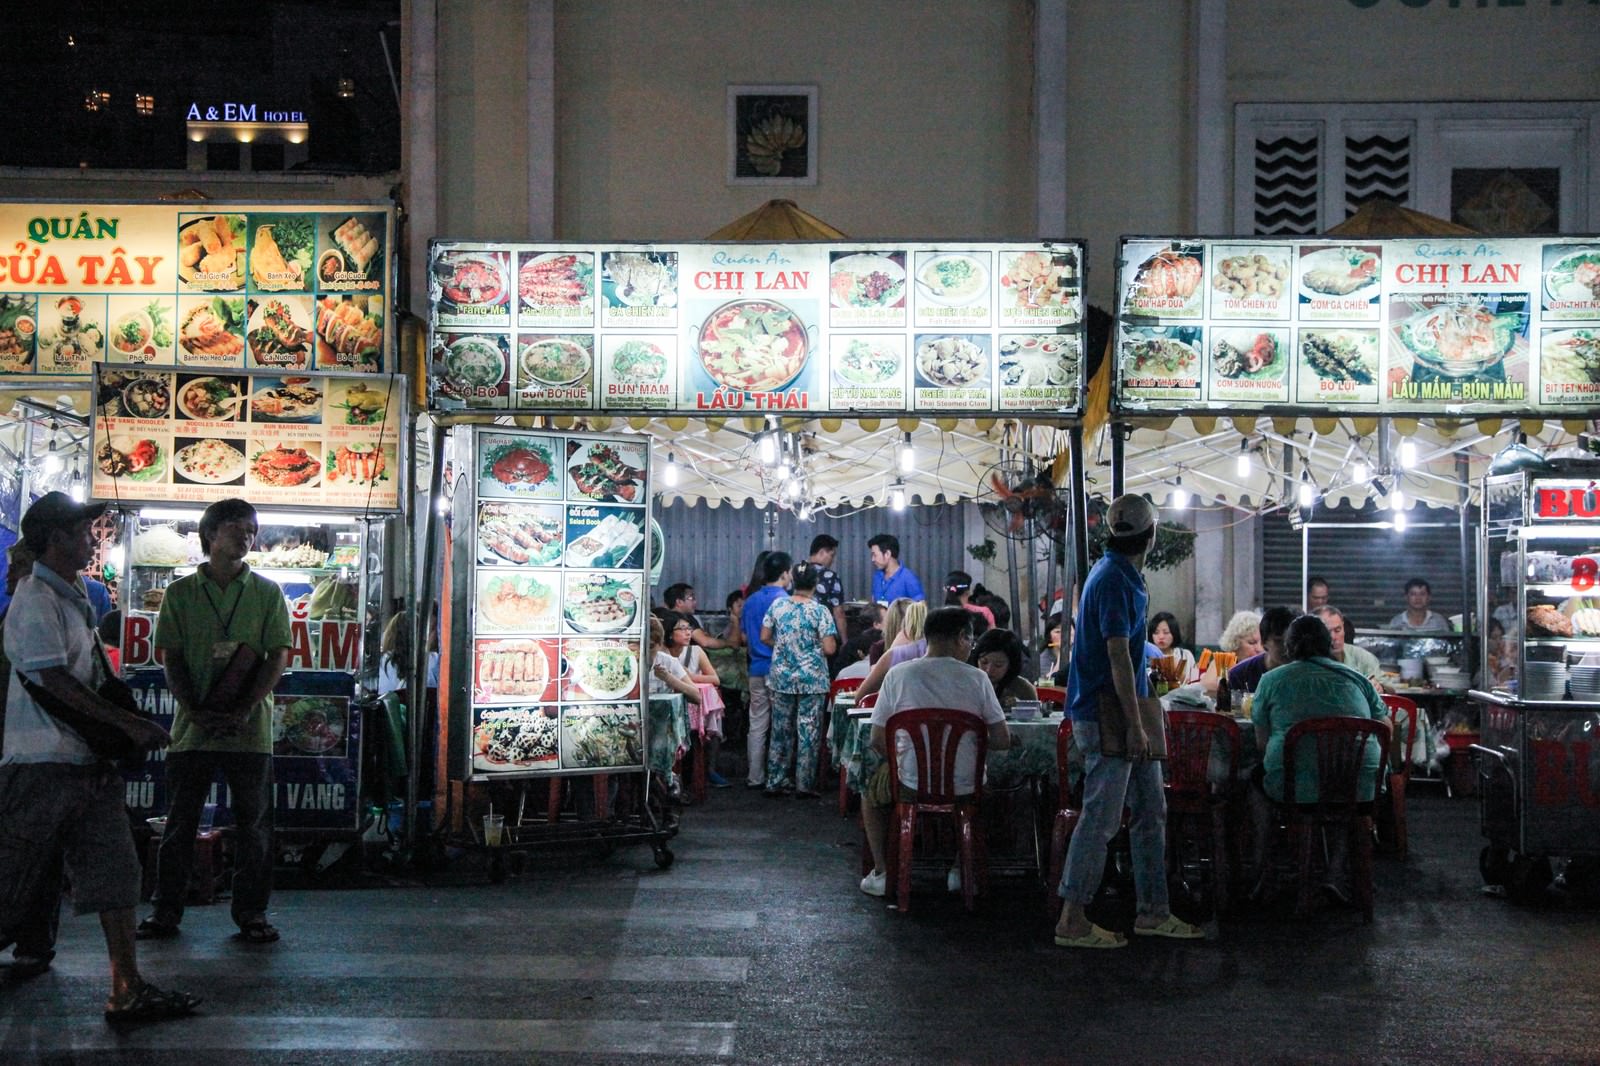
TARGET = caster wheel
(1529,879)
(1495,865)
(664,856)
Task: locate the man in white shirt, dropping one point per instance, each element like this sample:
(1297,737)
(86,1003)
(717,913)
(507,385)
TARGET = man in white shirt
(1417,618)
(941,678)
(1354,656)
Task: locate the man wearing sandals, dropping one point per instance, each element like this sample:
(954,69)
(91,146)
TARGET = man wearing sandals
(57,799)
(206,619)
(1111,621)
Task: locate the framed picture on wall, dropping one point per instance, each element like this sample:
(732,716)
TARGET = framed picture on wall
(772,135)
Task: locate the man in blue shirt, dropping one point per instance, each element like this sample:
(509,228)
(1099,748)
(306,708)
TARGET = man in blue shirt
(1111,627)
(890,580)
(773,573)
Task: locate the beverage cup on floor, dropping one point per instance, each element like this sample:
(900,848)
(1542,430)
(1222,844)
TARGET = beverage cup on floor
(208,817)
(494,828)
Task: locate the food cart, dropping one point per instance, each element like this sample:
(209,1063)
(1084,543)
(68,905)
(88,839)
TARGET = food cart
(1538,761)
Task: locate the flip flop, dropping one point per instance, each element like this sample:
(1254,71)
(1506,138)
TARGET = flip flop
(257,932)
(1096,937)
(1173,927)
(150,1004)
(153,928)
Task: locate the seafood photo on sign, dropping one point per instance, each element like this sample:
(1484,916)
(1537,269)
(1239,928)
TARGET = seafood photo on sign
(143,395)
(211,330)
(71,333)
(349,333)
(606,471)
(1250,281)
(601,602)
(284,464)
(211,252)
(1037,286)
(287,399)
(514,670)
(217,399)
(600,669)
(142,329)
(472,286)
(19,328)
(1458,337)
(281,250)
(279,332)
(953,279)
(952,362)
(868,360)
(558,285)
(600,735)
(1165,280)
(472,371)
(1161,362)
(518,601)
(1038,360)
(515,738)
(208,461)
(519,466)
(352,252)
(520,534)
(609,538)
(359,464)
(640,279)
(753,345)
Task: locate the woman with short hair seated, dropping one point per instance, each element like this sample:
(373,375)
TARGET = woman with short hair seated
(998,653)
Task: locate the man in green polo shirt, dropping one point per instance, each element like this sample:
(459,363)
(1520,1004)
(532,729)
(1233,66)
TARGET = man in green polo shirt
(205,619)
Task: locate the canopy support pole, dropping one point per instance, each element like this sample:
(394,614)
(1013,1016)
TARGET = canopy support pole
(416,716)
(1119,473)
(1463,509)
(1072,580)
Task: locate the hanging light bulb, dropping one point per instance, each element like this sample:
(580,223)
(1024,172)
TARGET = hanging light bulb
(791,488)
(1397,499)
(1400,522)
(76,489)
(443,506)
(908,455)
(897,497)
(1308,492)
(52,460)
(669,473)
(767,448)
(1180,496)
(1243,466)
(1358,470)
(1408,453)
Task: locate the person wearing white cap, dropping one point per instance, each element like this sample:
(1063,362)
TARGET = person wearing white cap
(1111,623)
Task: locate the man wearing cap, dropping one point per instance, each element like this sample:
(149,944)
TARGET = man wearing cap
(207,621)
(1111,628)
(58,800)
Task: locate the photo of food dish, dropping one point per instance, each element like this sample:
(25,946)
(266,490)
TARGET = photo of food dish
(520,534)
(615,541)
(141,330)
(309,725)
(868,279)
(359,464)
(954,279)
(19,328)
(953,362)
(475,366)
(753,345)
(1570,357)
(556,281)
(1168,279)
(1246,275)
(1248,354)
(1038,361)
(1159,356)
(601,669)
(510,671)
(1575,277)
(1341,354)
(280,332)
(511,601)
(868,360)
(472,279)
(514,465)
(211,398)
(600,736)
(600,602)
(211,328)
(1460,335)
(147,396)
(140,459)
(518,738)
(356,252)
(350,332)
(288,399)
(1036,279)
(606,471)
(281,247)
(357,403)
(553,361)
(1340,271)
(209,461)
(639,362)
(71,334)
(285,464)
(211,252)
(641,279)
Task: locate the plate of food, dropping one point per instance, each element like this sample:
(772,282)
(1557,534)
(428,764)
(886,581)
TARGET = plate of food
(1575,277)
(1570,357)
(213,328)
(638,362)
(1160,356)
(955,279)
(607,471)
(350,331)
(280,332)
(132,336)
(135,458)
(509,670)
(291,400)
(471,279)
(607,544)
(753,345)
(1339,271)
(286,466)
(515,603)
(867,280)
(475,363)
(214,399)
(867,361)
(1260,360)
(359,463)
(210,462)
(1038,362)
(640,279)
(147,397)
(952,362)
(361,404)
(1251,275)
(18,327)
(211,251)
(1460,337)
(1170,274)
(518,465)
(600,736)
(600,603)
(554,361)
(556,280)
(308,725)
(1340,355)
(602,669)
(520,738)
(519,534)
(1033,279)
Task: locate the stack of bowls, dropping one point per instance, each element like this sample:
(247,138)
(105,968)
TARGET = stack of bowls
(1586,683)
(1544,681)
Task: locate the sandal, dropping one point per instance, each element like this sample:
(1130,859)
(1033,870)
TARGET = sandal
(153,928)
(1173,927)
(1096,937)
(257,931)
(149,1004)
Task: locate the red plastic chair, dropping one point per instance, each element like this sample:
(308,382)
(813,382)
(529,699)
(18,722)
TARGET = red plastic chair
(1341,747)
(1053,694)
(936,734)
(1069,809)
(1197,809)
(1403,721)
(847,684)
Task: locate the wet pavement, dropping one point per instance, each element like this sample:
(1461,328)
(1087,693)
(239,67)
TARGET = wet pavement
(757,947)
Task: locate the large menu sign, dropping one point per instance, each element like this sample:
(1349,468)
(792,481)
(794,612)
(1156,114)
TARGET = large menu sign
(1418,326)
(756,328)
(558,603)
(285,287)
(308,440)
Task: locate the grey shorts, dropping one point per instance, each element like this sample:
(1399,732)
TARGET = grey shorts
(78,813)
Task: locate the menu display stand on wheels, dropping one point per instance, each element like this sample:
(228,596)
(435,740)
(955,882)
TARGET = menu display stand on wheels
(1538,761)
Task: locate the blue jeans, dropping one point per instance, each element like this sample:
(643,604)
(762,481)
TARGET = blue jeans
(1108,785)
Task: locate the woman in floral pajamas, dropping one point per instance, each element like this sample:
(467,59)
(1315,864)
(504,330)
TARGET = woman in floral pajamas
(802,636)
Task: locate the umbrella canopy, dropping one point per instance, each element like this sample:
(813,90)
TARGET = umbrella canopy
(777,220)
(1385,218)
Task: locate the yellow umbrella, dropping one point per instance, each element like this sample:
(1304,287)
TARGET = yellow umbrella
(777,220)
(1384,218)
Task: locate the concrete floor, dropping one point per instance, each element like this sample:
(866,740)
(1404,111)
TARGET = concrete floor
(757,947)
